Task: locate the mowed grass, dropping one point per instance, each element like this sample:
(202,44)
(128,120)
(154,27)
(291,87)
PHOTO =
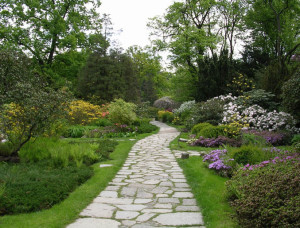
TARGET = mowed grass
(209,190)
(67,211)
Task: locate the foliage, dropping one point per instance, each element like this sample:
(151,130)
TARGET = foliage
(51,27)
(259,118)
(165,103)
(83,113)
(273,138)
(249,154)
(5,148)
(240,84)
(122,112)
(258,97)
(107,77)
(105,147)
(290,95)
(296,139)
(213,131)
(165,116)
(198,127)
(101,122)
(210,111)
(32,187)
(219,161)
(215,142)
(77,131)
(146,127)
(185,109)
(28,104)
(59,153)
(267,196)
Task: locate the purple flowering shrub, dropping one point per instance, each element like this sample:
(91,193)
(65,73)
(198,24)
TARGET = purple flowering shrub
(219,161)
(271,137)
(267,194)
(215,142)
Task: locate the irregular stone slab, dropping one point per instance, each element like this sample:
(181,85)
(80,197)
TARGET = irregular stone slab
(180,219)
(191,202)
(109,194)
(94,223)
(187,208)
(142,201)
(168,200)
(156,210)
(126,214)
(98,210)
(163,205)
(183,195)
(131,207)
(128,223)
(127,191)
(142,194)
(112,188)
(145,217)
(114,201)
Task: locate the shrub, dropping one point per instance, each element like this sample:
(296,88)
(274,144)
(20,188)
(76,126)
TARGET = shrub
(198,127)
(296,139)
(122,112)
(165,116)
(165,103)
(105,147)
(33,187)
(185,109)
(273,138)
(210,111)
(146,127)
(102,122)
(77,131)
(60,153)
(5,148)
(83,113)
(252,139)
(290,95)
(213,131)
(268,196)
(215,142)
(249,154)
(220,162)
(258,97)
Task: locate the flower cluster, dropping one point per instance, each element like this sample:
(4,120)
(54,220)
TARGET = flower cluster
(274,138)
(275,160)
(82,112)
(184,107)
(259,118)
(216,159)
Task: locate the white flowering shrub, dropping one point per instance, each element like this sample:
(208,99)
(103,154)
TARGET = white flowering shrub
(259,118)
(184,107)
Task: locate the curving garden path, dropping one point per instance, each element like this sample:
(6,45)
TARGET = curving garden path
(149,191)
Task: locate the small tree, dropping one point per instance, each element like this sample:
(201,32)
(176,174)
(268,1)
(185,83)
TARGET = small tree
(122,112)
(27,104)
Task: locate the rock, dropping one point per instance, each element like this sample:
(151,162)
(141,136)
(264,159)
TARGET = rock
(182,140)
(180,219)
(185,155)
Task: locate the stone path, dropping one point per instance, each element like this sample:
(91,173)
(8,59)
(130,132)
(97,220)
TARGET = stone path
(149,191)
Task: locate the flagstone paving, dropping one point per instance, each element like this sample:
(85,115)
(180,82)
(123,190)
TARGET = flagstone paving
(149,191)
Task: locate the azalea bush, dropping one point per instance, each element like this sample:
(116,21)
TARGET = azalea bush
(165,116)
(184,111)
(83,113)
(267,195)
(215,142)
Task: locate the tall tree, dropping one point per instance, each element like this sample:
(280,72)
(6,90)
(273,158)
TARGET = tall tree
(45,28)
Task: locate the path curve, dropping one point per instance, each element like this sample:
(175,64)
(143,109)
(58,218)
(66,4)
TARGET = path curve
(149,191)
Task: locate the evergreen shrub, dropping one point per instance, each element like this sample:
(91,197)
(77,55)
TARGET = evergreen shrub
(267,196)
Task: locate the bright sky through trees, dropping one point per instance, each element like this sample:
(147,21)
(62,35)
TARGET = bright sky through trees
(132,16)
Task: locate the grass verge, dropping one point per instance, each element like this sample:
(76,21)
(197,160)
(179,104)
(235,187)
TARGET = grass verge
(209,190)
(67,211)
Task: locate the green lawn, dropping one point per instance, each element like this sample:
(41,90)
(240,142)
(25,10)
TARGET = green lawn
(209,191)
(67,211)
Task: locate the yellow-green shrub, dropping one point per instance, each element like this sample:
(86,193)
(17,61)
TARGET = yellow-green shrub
(82,112)
(122,112)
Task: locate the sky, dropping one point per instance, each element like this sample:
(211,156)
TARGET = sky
(132,17)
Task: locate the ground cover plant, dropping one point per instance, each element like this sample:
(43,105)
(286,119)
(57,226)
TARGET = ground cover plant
(29,187)
(64,213)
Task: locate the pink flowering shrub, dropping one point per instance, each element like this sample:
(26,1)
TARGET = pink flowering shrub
(267,194)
